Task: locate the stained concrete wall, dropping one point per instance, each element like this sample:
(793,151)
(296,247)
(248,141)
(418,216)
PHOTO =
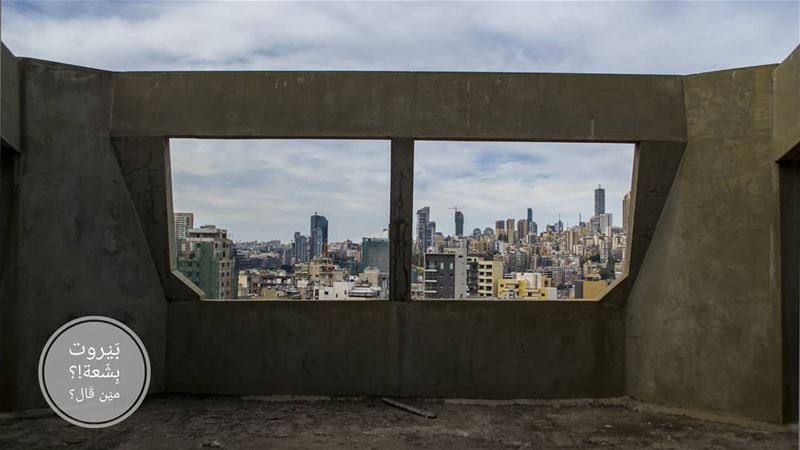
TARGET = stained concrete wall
(786,149)
(10,128)
(9,147)
(381,105)
(786,109)
(81,249)
(432,349)
(703,317)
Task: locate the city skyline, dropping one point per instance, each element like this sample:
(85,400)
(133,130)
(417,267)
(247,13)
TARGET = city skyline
(478,36)
(240,185)
(618,222)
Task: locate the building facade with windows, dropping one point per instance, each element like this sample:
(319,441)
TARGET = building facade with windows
(206,258)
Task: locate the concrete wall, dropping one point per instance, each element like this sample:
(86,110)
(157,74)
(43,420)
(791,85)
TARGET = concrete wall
(81,249)
(425,348)
(786,149)
(362,105)
(10,128)
(703,327)
(786,108)
(10,146)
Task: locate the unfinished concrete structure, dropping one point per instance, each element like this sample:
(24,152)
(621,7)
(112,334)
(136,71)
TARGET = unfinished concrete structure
(705,319)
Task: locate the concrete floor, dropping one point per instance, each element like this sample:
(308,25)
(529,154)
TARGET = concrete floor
(294,423)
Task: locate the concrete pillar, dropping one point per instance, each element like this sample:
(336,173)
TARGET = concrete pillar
(401,221)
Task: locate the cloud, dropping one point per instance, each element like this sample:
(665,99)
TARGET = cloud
(646,37)
(500,180)
(268,189)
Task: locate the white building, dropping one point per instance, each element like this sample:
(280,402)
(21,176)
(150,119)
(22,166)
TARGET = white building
(183,223)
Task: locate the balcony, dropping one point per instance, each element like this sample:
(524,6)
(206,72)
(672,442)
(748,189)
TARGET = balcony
(715,164)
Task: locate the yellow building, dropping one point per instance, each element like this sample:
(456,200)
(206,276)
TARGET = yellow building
(521,288)
(489,273)
(323,272)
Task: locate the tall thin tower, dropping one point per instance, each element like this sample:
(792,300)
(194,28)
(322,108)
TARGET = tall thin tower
(318,237)
(599,201)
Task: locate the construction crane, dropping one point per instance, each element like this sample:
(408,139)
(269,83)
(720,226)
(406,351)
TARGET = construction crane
(458,208)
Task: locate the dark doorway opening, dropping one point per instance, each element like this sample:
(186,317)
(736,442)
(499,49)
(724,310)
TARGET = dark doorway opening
(789,175)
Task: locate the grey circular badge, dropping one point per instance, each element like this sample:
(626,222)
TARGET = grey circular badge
(94,372)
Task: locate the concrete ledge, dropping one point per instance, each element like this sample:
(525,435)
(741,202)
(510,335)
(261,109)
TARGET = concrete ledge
(786,107)
(481,349)
(10,125)
(418,105)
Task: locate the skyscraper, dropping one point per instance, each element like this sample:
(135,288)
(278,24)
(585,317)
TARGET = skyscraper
(599,201)
(500,230)
(606,222)
(425,231)
(318,237)
(375,253)
(300,247)
(510,232)
(626,211)
(530,218)
(522,230)
(459,223)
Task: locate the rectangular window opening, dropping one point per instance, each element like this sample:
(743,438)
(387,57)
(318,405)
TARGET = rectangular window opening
(282,219)
(519,220)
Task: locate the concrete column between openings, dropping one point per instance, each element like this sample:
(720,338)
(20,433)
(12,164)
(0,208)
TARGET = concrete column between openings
(401,216)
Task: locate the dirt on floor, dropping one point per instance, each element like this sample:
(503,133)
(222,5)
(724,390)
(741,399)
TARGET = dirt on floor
(300,423)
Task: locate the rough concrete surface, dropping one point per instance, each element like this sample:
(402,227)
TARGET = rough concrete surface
(81,249)
(703,324)
(234,422)
(475,349)
(10,125)
(786,108)
(420,105)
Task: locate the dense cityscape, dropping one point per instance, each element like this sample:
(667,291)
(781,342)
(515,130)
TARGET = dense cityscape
(512,260)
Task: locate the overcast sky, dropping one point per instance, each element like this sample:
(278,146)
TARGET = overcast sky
(268,189)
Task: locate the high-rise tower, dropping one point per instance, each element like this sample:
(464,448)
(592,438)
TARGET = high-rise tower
(425,231)
(626,211)
(530,218)
(599,201)
(459,223)
(300,247)
(510,231)
(318,237)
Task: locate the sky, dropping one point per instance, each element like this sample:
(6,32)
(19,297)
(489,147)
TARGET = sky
(268,189)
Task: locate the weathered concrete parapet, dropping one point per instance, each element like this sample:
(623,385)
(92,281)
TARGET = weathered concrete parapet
(468,349)
(703,318)
(144,162)
(419,105)
(655,164)
(10,123)
(786,151)
(80,248)
(786,108)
